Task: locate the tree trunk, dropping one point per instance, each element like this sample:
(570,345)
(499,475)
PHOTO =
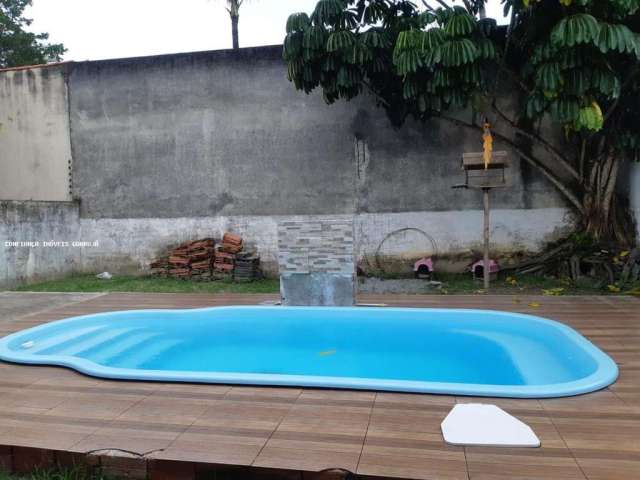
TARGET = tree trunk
(604,216)
(234,31)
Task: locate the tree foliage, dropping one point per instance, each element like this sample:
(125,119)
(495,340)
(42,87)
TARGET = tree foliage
(17,45)
(573,62)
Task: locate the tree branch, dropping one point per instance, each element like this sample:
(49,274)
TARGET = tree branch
(427,6)
(614,105)
(564,161)
(468,7)
(375,93)
(583,151)
(444,5)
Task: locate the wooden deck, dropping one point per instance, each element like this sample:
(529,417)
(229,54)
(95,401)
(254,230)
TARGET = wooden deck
(594,436)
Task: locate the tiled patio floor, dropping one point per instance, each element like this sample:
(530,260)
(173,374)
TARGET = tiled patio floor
(595,436)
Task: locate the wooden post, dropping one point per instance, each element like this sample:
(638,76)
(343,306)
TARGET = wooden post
(486,269)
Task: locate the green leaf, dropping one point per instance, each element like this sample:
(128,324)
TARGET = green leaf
(575,30)
(590,118)
(314,38)
(410,88)
(292,45)
(628,7)
(426,19)
(407,56)
(327,11)
(294,69)
(487,26)
(470,74)
(548,76)
(543,52)
(360,54)
(339,40)
(374,39)
(460,24)
(408,61)
(565,110)
(535,105)
(297,21)
(617,37)
(486,49)
(606,82)
(330,64)
(442,78)
(458,52)
(577,81)
(409,39)
(374,12)
(347,77)
(432,38)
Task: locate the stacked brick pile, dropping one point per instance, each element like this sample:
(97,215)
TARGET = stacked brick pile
(226,253)
(247,267)
(204,260)
(189,260)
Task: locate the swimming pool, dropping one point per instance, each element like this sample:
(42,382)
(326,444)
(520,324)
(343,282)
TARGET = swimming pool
(460,352)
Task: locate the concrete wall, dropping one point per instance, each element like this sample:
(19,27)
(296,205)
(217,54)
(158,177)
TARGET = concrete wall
(35,150)
(130,244)
(176,147)
(25,230)
(224,133)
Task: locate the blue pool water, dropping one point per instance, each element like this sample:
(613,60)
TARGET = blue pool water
(465,352)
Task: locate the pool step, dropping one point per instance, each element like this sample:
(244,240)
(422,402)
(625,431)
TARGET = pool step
(99,340)
(93,342)
(58,342)
(119,346)
(139,351)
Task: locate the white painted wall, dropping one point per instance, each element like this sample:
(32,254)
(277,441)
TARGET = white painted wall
(133,243)
(35,148)
(129,245)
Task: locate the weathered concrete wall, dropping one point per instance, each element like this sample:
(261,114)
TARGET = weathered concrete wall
(129,245)
(25,229)
(176,147)
(224,133)
(35,151)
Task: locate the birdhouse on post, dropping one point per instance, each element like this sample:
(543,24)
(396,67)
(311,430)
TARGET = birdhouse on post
(485,170)
(477,175)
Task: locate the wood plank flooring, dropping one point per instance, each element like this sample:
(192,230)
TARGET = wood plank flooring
(594,436)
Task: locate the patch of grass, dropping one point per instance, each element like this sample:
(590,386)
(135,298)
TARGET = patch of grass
(455,283)
(78,473)
(8,476)
(149,284)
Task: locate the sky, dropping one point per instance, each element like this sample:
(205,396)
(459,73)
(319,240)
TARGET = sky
(100,29)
